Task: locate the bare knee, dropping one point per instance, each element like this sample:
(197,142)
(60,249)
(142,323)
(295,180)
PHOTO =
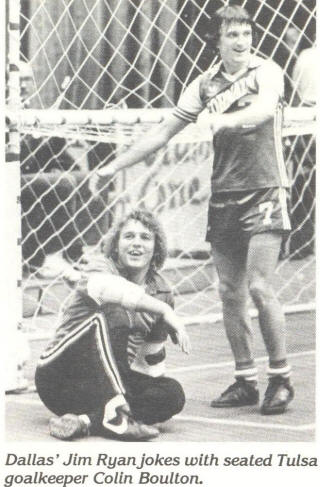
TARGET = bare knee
(230,294)
(260,291)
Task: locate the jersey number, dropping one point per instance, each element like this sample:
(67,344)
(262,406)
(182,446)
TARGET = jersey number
(266,208)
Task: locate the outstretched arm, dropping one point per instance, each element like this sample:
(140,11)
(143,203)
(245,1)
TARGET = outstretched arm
(153,140)
(144,146)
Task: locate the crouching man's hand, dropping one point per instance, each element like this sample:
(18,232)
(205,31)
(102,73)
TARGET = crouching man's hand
(177,330)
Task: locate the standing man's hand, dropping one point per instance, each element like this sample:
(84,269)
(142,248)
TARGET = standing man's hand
(216,122)
(99,176)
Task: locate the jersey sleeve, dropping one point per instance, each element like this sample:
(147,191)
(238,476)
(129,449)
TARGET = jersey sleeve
(190,104)
(96,266)
(270,76)
(159,329)
(170,300)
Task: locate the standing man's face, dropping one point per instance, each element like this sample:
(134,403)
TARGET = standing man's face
(235,45)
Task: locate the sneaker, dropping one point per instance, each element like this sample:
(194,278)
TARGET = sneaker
(129,429)
(241,393)
(277,396)
(68,427)
(54,265)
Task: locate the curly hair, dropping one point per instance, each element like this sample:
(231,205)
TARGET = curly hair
(226,16)
(109,245)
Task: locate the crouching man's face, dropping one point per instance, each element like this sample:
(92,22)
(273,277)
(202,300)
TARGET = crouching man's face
(136,246)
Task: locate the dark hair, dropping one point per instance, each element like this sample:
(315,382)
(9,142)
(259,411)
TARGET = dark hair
(226,16)
(110,242)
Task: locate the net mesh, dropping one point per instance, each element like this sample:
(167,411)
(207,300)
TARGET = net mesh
(88,54)
(102,73)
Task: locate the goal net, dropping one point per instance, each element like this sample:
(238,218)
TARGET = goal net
(104,72)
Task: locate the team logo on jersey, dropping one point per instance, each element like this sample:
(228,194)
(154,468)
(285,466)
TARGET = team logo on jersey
(235,92)
(246,101)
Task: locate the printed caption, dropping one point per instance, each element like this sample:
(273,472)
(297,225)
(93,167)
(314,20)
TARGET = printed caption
(105,469)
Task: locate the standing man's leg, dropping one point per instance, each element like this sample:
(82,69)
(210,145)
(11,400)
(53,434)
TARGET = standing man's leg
(231,268)
(263,254)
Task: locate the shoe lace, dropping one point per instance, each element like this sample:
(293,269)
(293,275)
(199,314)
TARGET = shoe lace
(235,386)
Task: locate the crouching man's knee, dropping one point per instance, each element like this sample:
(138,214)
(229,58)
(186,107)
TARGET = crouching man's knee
(168,401)
(176,397)
(159,402)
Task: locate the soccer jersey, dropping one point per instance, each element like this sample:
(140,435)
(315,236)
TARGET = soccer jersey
(245,158)
(137,338)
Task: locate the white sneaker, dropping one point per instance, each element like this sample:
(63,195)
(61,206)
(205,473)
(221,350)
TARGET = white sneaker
(69,427)
(20,384)
(55,265)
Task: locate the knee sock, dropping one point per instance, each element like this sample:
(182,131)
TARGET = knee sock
(279,367)
(247,371)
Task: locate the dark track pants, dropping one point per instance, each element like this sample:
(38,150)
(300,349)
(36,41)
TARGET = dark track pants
(80,375)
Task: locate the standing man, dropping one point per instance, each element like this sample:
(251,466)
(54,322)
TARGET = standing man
(248,213)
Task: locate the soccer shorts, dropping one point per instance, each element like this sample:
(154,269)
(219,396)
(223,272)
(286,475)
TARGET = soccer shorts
(234,217)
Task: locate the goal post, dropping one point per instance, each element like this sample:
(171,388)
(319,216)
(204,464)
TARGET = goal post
(174,183)
(103,73)
(17,350)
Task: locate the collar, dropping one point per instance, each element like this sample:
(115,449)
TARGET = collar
(157,284)
(154,285)
(254,62)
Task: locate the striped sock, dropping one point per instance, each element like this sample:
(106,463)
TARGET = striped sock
(279,367)
(247,371)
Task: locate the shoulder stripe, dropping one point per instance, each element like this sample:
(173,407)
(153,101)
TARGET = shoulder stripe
(277,127)
(284,208)
(184,115)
